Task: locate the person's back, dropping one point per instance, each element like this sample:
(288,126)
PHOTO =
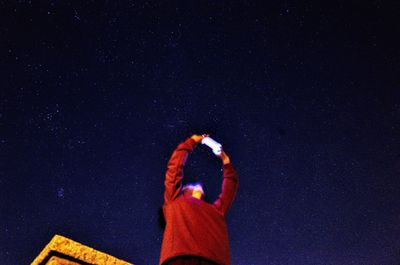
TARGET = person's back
(195,230)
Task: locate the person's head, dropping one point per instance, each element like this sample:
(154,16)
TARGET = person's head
(194,189)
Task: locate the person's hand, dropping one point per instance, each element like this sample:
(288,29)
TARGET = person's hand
(224,157)
(197,138)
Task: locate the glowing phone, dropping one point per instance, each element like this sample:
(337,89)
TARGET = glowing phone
(215,146)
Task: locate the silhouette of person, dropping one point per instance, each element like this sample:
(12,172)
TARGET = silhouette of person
(196,231)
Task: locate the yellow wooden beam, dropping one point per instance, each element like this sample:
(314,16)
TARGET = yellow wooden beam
(64,251)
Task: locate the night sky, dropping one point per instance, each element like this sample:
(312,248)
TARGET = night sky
(304,97)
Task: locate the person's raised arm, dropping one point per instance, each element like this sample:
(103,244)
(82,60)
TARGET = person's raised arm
(174,174)
(230,184)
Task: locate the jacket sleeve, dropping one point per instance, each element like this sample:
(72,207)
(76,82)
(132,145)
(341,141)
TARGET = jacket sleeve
(230,185)
(174,174)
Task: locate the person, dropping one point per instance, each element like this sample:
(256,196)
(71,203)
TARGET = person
(196,231)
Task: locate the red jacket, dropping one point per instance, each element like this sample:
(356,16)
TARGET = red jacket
(195,227)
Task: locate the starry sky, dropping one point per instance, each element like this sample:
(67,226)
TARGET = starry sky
(303,95)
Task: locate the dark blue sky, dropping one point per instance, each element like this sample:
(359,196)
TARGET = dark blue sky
(304,97)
